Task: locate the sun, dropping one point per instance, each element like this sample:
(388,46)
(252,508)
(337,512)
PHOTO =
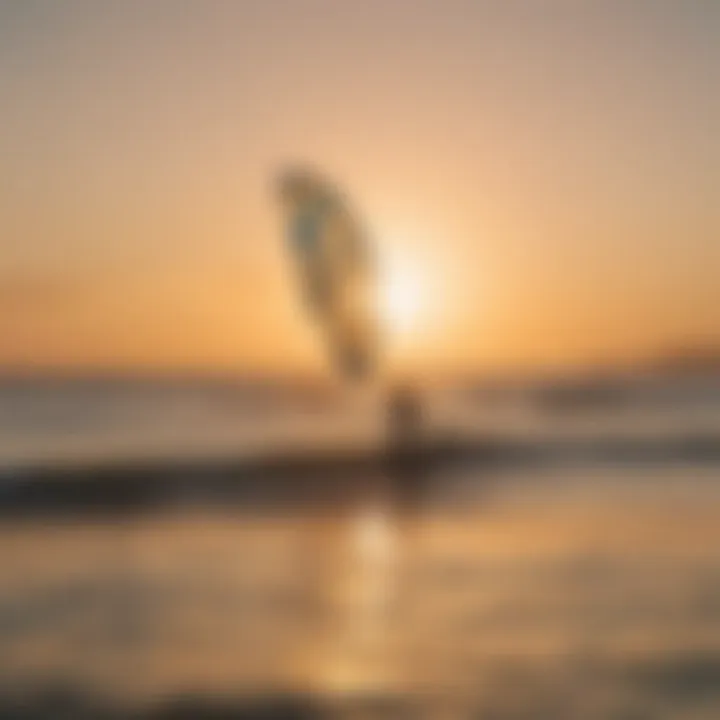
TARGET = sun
(402,298)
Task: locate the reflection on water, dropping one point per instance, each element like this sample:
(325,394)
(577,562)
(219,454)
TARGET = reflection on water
(576,593)
(362,593)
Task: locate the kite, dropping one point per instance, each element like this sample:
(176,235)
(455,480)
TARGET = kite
(336,268)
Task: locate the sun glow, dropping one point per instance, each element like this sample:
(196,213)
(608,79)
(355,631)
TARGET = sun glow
(402,298)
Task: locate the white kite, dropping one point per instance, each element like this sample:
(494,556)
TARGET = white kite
(336,267)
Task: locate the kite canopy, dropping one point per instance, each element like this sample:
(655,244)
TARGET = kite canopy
(336,269)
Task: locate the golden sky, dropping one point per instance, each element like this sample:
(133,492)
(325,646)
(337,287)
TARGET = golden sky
(548,172)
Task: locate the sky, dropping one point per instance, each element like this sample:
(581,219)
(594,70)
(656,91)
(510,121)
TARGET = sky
(545,174)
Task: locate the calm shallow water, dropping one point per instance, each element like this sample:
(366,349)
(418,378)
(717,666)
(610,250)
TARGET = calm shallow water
(574,592)
(571,591)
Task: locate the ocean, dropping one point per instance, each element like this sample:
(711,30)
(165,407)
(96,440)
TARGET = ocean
(581,587)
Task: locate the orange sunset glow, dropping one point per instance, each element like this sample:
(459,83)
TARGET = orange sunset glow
(360,359)
(541,177)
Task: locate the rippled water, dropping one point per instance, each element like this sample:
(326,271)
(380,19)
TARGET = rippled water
(576,592)
(573,590)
